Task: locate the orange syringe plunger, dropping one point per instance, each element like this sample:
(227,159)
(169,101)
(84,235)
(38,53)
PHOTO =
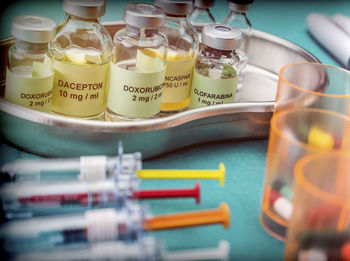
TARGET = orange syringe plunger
(197,218)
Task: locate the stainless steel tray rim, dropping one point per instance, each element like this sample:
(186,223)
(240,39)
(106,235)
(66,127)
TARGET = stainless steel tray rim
(132,126)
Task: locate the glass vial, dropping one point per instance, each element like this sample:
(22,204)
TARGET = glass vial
(182,49)
(201,14)
(237,18)
(29,75)
(217,67)
(83,50)
(138,66)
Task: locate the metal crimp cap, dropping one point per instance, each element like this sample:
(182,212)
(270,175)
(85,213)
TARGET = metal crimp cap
(204,3)
(144,15)
(240,5)
(222,37)
(175,7)
(85,8)
(33,28)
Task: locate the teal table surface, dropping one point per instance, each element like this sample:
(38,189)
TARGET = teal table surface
(244,161)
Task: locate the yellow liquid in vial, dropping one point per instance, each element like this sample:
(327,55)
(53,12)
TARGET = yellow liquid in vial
(178,79)
(80,56)
(80,84)
(175,106)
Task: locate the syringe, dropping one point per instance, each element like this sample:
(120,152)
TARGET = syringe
(92,168)
(221,252)
(184,174)
(28,199)
(144,249)
(85,168)
(99,225)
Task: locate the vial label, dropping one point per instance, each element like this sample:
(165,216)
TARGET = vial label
(135,94)
(211,91)
(93,168)
(79,90)
(178,79)
(25,89)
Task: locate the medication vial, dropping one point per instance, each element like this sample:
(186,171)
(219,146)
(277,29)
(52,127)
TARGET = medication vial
(201,14)
(237,18)
(29,75)
(138,68)
(82,50)
(217,67)
(182,49)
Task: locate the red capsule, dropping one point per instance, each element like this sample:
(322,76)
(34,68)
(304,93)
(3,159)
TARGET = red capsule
(274,195)
(322,215)
(337,143)
(345,251)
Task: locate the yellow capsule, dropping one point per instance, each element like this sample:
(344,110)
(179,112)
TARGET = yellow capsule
(320,139)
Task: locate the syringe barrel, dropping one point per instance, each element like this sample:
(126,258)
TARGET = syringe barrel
(41,169)
(23,200)
(143,249)
(44,233)
(83,168)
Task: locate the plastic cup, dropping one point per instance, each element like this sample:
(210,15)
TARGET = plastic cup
(320,224)
(313,85)
(295,133)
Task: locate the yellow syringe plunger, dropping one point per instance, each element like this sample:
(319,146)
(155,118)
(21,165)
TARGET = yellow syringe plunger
(183,174)
(197,218)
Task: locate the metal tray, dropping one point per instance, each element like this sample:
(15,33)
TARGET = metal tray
(59,136)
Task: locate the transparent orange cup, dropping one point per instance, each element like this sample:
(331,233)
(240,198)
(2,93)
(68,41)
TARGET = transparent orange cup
(320,224)
(313,85)
(295,133)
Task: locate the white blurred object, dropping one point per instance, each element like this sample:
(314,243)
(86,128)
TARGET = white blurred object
(342,21)
(327,32)
(218,253)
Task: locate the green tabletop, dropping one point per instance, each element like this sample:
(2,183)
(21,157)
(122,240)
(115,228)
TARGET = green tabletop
(244,161)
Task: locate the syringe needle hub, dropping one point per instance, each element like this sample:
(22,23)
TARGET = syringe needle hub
(197,218)
(183,174)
